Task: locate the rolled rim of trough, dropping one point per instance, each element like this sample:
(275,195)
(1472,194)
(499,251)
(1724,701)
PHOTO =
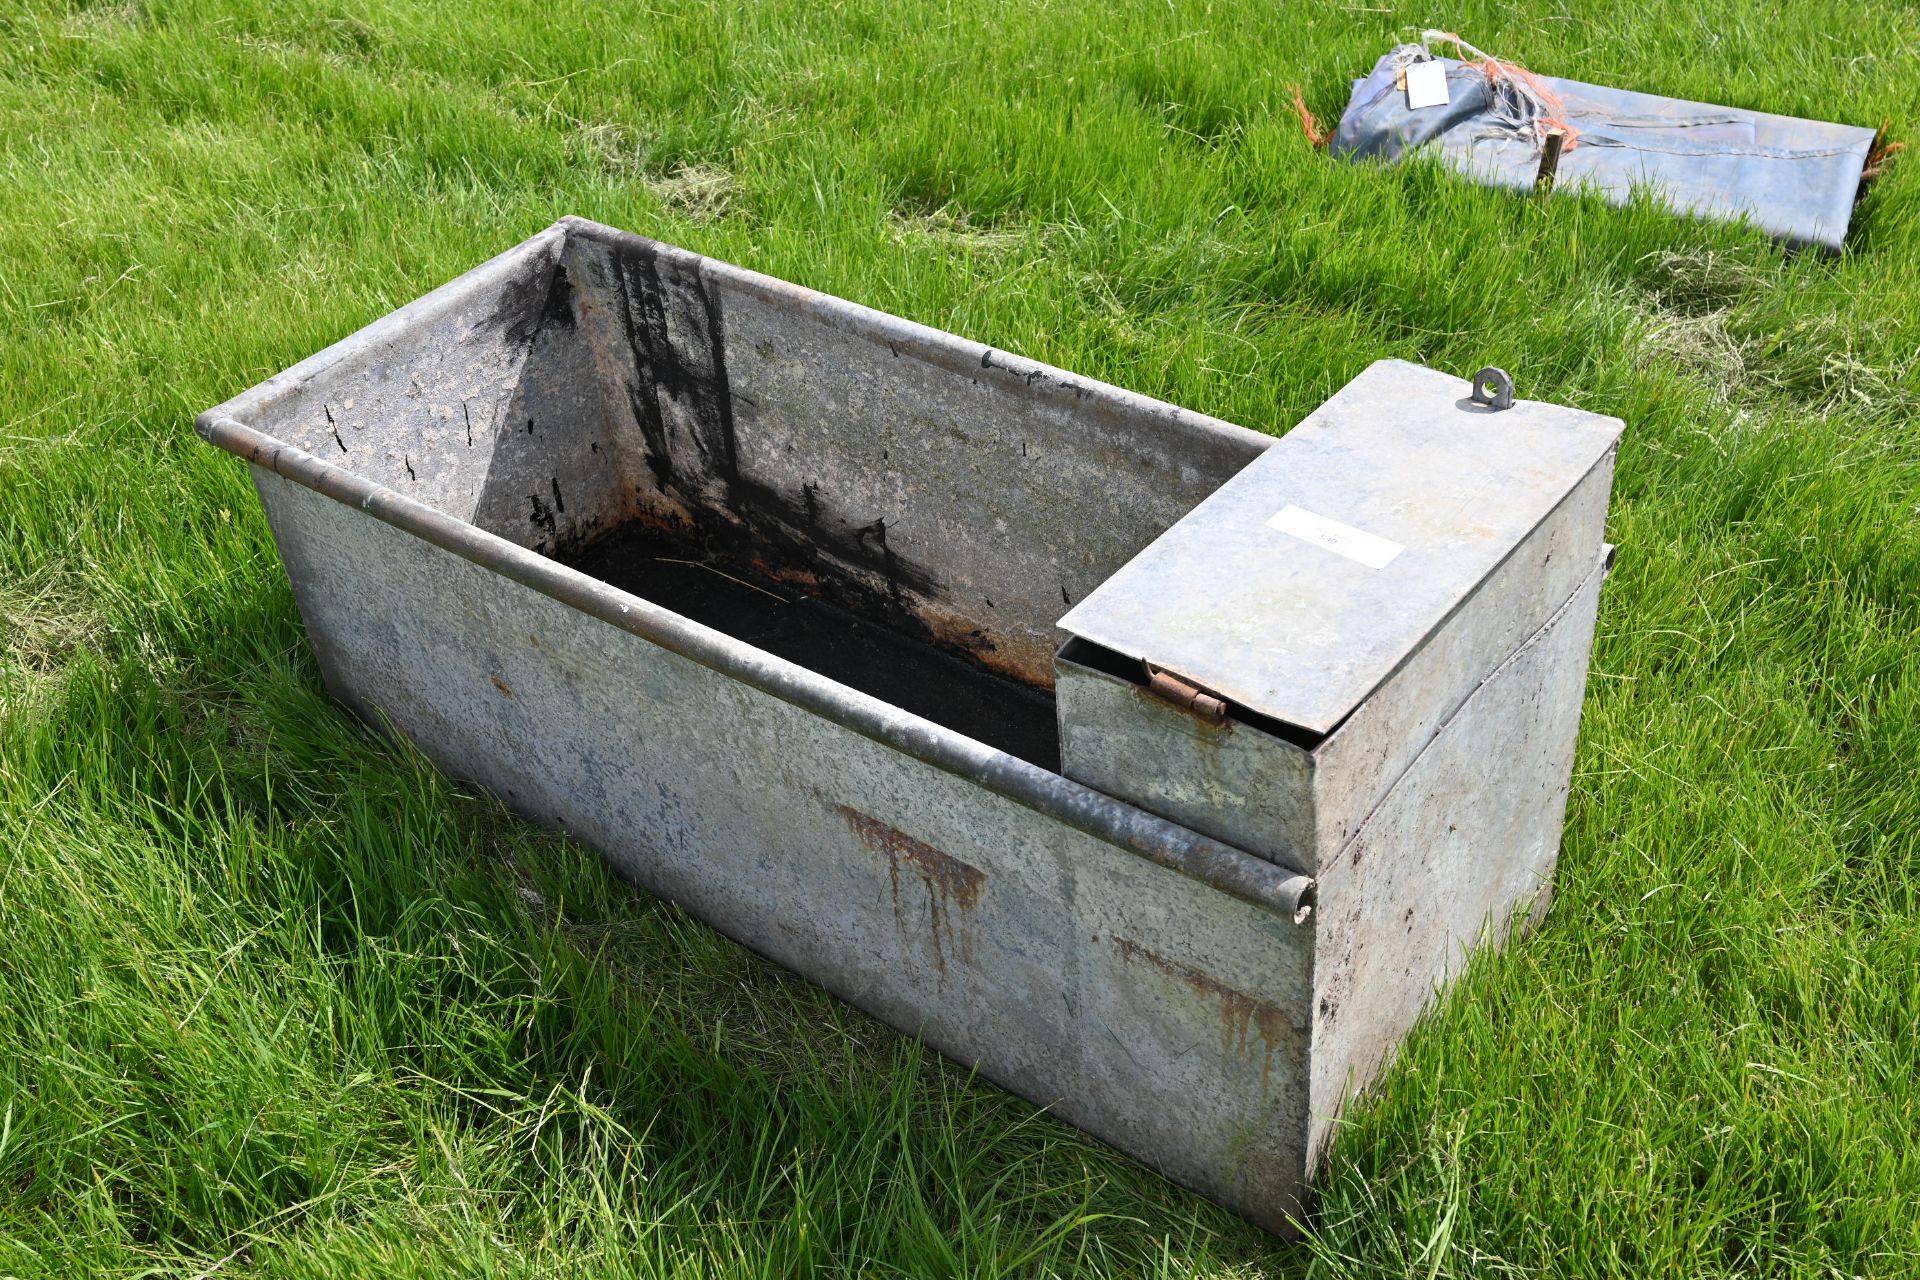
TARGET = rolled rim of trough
(1220,866)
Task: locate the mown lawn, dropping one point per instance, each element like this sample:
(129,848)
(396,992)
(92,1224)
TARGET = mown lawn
(277,1000)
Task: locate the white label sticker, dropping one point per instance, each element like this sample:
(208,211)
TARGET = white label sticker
(1341,539)
(1426,84)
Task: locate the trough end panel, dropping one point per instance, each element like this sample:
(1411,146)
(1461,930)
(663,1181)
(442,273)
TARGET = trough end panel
(1464,844)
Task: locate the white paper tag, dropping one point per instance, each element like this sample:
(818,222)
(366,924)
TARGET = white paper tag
(1426,84)
(1341,539)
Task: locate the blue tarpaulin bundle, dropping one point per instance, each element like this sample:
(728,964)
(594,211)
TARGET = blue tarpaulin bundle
(1795,179)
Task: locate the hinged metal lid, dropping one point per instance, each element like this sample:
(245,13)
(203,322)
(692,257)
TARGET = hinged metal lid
(1306,580)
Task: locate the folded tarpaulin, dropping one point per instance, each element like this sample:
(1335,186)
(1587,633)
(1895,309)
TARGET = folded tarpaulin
(1794,179)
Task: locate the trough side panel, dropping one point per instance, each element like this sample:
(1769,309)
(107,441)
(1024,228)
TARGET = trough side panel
(653,334)
(1165,1017)
(1466,842)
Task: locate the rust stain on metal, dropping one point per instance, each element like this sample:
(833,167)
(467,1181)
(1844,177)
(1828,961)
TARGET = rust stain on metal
(1181,693)
(660,512)
(1019,660)
(786,575)
(950,883)
(1028,659)
(1243,1015)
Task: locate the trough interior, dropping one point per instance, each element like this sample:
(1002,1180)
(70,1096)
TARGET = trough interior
(866,644)
(921,509)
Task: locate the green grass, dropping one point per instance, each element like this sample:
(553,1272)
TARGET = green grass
(277,1000)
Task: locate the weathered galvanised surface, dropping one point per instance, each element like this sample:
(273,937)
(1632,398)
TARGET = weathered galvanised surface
(1154,985)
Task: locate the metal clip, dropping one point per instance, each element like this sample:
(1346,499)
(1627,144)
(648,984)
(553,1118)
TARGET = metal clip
(1171,688)
(1493,388)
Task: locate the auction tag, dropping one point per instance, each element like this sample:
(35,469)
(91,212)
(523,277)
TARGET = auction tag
(1426,84)
(1369,549)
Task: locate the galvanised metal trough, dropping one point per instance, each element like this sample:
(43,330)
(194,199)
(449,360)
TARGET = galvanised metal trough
(1160,769)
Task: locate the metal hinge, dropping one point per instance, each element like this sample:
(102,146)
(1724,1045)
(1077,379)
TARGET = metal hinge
(1171,688)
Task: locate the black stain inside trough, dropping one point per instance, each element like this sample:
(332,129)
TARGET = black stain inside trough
(537,296)
(943,685)
(791,572)
(681,401)
(543,515)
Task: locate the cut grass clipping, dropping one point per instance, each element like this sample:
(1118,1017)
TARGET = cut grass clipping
(278,1000)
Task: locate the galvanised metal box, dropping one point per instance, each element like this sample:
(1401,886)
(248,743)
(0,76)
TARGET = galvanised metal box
(757,592)
(1363,657)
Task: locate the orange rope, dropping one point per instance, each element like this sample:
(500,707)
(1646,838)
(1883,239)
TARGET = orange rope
(1884,150)
(1316,136)
(1494,69)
